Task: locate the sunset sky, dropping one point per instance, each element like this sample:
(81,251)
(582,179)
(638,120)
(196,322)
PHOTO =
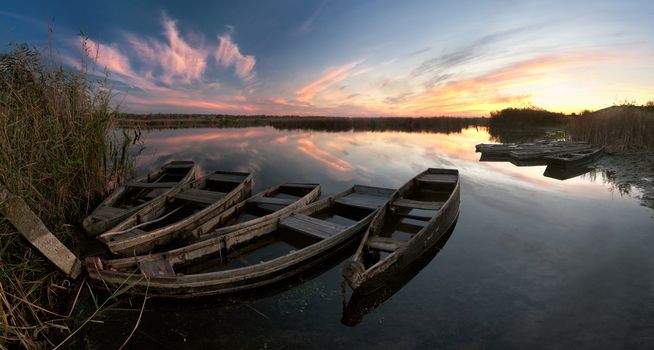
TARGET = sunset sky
(353,58)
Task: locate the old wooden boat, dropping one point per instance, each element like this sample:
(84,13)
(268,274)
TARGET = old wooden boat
(252,257)
(274,202)
(137,193)
(360,305)
(549,150)
(191,207)
(574,158)
(417,216)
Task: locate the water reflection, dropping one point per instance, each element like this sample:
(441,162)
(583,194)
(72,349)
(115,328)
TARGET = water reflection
(360,305)
(535,262)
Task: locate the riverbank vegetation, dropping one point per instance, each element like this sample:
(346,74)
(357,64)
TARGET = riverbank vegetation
(624,128)
(58,154)
(330,124)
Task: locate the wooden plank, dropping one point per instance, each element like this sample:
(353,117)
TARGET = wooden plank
(298,185)
(200,196)
(311,226)
(374,191)
(179,165)
(227,177)
(152,184)
(157,268)
(32,228)
(363,201)
(107,212)
(384,244)
(272,200)
(408,203)
(414,216)
(439,178)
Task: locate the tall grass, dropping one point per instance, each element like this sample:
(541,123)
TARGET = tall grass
(620,128)
(58,153)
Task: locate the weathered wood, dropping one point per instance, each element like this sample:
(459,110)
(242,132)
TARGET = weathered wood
(157,268)
(311,226)
(32,228)
(385,244)
(363,201)
(270,200)
(121,240)
(107,212)
(438,178)
(575,158)
(222,177)
(151,184)
(298,185)
(368,272)
(114,272)
(200,196)
(413,204)
(95,223)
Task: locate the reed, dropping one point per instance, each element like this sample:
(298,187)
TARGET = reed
(624,128)
(58,153)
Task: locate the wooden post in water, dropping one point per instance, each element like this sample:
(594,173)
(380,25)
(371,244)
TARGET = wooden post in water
(31,227)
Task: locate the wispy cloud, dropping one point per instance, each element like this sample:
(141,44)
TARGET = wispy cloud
(307,25)
(328,79)
(228,54)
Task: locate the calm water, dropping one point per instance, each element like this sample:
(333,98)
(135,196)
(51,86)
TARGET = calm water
(533,262)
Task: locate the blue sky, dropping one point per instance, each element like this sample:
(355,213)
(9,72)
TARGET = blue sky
(353,57)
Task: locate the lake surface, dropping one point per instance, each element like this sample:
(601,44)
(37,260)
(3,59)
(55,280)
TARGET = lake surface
(533,262)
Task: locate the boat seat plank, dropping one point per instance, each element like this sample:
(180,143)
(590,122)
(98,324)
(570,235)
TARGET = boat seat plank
(414,216)
(439,178)
(363,201)
(200,196)
(384,244)
(106,212)
(311,226)
(181,165)
(227,177)
(152,184)
(157,268)
(408,203)
(271,200)
(298,185)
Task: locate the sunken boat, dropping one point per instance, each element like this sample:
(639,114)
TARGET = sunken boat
(416,217)
(251,257)
(190,208)
(131,197)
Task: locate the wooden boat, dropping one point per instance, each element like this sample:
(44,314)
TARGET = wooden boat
(251,257)
(574,158)
(186,210)
(541,152)
(417,216)
(134,195)
(360,305)
(274,202)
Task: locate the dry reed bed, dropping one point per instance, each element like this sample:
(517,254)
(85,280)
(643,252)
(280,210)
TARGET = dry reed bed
(56,152)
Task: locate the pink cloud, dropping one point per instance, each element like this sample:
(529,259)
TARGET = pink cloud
(228,54)
(178,60)
(108,56)
(328,79)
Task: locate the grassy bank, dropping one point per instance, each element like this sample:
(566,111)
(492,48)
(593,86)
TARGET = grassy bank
(56,153)
(624,128)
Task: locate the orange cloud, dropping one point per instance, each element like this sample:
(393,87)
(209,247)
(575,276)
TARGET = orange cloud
(328,79)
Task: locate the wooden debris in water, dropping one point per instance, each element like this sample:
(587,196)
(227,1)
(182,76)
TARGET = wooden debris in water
(31,227)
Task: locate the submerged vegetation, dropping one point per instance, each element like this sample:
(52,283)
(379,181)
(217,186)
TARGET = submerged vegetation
(57,153)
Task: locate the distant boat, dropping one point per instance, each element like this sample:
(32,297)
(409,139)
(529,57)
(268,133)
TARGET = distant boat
(574,159)
(248,258)
(189,208)
(136,194)
(417,216)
